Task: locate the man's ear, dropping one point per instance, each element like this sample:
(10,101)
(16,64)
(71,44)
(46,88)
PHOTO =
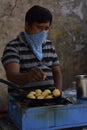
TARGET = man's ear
(26,26)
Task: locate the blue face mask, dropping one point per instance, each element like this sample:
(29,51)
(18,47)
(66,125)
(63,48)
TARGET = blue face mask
(35,42)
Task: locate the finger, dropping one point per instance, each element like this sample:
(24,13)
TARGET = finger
(38,73)
(44,75)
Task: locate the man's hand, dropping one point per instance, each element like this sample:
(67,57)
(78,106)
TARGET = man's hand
(36,74)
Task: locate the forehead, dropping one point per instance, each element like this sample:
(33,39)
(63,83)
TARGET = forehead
(47,24)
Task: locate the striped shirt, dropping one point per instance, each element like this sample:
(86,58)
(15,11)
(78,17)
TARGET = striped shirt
(18,51)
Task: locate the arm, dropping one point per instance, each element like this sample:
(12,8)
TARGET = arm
(57,76)
(13,74)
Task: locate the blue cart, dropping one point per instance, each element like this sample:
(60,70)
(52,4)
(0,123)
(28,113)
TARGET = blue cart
(54,117)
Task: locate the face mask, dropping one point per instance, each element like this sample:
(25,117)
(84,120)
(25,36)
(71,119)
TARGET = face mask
(35,42)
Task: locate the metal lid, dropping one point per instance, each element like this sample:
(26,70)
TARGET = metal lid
(81,76)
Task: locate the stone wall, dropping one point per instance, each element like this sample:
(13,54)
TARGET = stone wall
(68,32)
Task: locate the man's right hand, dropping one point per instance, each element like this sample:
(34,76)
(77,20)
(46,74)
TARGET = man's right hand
(36,74)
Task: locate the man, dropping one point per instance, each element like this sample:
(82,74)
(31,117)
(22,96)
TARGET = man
(31,58)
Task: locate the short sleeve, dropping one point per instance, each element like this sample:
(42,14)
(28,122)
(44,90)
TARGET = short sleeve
(10,54)
(55,58)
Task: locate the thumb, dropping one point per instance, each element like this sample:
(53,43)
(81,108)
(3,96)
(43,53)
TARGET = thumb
(44,75)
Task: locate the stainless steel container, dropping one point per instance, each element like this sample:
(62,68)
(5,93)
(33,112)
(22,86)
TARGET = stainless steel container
(81,86)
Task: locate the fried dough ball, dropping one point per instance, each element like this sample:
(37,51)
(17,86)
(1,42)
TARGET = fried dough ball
(30,95)
(47,91)
(49,97)
(56,92)
(32,92)
(40,97)
(38,92)
(44,94)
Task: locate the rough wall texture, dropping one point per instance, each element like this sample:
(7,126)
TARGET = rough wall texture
(68,32)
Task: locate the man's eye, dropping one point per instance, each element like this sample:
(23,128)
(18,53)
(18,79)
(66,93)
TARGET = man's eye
(40,27)
(43,28)
(47,28)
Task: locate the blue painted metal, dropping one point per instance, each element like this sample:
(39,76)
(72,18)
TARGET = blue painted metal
(47,117)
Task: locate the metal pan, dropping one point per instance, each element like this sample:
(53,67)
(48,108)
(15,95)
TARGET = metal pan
(12,87)
(39,101)
(43,101)
(10,84)
(21,93)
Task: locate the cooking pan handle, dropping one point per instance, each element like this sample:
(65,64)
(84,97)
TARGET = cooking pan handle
(10,84)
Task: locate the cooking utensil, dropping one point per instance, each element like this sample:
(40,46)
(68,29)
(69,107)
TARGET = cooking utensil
(21,93)
(10,84)
(54,99)
(81,86)
(37,101)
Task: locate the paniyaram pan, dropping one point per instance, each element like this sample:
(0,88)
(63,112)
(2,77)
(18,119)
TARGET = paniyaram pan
(21,93)
(54,99)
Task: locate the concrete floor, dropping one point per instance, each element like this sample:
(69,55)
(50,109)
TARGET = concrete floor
(5,124)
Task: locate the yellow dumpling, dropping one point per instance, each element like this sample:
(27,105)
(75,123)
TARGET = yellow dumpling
(38,91)
(56,92)
(40,97)
(32,92)
(47,91)
(49,97)
(30,95)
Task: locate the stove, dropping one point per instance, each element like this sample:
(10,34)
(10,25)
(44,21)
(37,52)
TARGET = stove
(28,115)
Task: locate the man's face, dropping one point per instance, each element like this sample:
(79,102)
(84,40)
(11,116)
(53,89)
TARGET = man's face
(37,27)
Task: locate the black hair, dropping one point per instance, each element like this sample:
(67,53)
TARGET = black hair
(38,14)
